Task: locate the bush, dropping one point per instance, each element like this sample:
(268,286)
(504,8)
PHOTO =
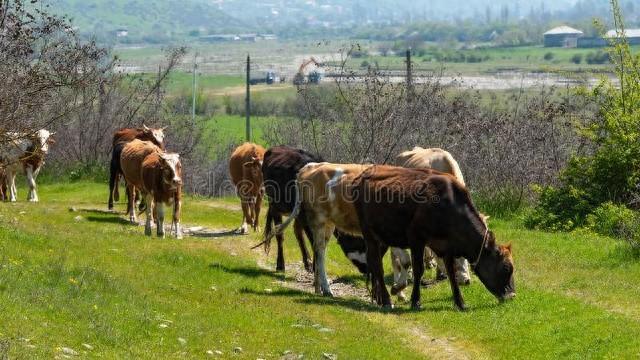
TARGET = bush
(614,220)
(576,59)
(549,56)
(599,57)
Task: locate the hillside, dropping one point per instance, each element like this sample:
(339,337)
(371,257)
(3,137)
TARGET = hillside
(149,21)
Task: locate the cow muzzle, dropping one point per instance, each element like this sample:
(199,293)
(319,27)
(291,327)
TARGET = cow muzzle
(508,296)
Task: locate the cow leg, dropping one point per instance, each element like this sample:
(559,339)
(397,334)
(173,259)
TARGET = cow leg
(13,192)
(113,183)
(449,264)
(277,220)
(244,228)
(31,182)
(374,262)
(297,230)
(159,206)
(148,211)
(400,261)
(321,235)
(441,269)
(257,205)
(131,209)
(417,263)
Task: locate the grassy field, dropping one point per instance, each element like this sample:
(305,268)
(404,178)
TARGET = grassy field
(73,278)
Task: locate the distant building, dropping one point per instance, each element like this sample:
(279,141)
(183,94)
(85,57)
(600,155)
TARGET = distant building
(122,33)
(238,37)
(632,35)
(562,36)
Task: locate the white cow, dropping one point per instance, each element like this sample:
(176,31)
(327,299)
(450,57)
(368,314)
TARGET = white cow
(24,151)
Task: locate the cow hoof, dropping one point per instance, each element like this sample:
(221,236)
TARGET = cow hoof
(462,307)
(147,231)
(416,306)
(396,289)
(464,282)
(327,293)
(387,307)
(179,236)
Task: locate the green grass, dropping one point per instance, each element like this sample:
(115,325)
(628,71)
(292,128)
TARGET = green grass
(65,281)
(183,82)
(525,58)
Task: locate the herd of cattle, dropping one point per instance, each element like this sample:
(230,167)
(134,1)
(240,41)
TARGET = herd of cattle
(422,205)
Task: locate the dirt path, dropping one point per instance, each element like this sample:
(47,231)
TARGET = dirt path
(409,332)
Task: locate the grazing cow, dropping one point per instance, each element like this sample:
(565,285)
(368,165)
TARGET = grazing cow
(355,247)
(414,208)
(158,175)
(279,168)
(322,201)
(120,139)
(245,167)
(26,151)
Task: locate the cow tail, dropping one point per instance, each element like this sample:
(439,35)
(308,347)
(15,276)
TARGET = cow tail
(268,234)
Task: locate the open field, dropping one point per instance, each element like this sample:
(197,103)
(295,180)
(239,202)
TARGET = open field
(73,278)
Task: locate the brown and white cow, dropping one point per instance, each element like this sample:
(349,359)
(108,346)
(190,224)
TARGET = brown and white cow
(414,208)
(24,151)
(120,139)
(245,167)
(158,175)
(322,198)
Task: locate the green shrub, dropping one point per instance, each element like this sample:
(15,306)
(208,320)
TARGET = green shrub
(549,56)
(614,220)
(576,59)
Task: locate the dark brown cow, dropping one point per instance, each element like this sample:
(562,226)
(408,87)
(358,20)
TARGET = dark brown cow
(158,175)
(120,139)
(245,168)
(280,167)
(411,208)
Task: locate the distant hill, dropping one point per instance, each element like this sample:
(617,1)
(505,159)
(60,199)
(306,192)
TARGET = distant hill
(147,20)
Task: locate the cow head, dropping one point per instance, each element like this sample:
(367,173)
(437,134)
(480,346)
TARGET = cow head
(253,169)
(495,269)
(42,139)
(171,170)
(156,134)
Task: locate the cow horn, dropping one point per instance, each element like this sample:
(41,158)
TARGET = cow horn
(164,128)
(145,127)
(52,133)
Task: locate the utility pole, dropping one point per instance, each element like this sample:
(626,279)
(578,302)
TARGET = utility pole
(409,77)
(247,101)
(193,103)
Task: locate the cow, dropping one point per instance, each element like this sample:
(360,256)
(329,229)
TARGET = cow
(355,247)
(158,175)
(245,167)
(120,139)
(24,151)
(321,203)
(414,208)
(279,168)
